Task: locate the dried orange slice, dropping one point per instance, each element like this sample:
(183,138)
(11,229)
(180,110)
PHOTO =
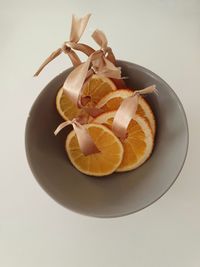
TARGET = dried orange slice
(96,87)
(139,142)
(66,108)
(112,101)
(102,163)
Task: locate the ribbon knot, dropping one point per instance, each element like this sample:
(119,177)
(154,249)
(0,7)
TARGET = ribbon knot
(77,29)
(66,47)
(86,143)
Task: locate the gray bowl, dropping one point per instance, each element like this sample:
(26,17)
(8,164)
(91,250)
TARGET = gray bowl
(120,193)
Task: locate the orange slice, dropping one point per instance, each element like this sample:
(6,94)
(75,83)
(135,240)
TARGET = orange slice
(66,108)
(96,88)
(137,146)
(113,100)
(102,163)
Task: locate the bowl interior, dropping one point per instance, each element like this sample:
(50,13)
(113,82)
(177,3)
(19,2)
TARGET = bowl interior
(120,193)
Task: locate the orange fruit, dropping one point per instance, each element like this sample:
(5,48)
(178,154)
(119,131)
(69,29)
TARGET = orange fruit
(95,87)
(139,142)
(102,163)
(66,108)
(112,101)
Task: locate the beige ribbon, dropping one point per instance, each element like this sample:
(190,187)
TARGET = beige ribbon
(102,41)
(96,63)
(127,111)
(85,141)
(77,29)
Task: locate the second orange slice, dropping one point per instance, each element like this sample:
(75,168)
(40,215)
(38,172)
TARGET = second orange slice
(139,142)
(112,101)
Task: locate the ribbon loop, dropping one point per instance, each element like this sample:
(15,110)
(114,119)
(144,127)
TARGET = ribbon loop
(100,39)
(85,141)
(127,111)
(124,115)
(147,90)
(75,80)
(78,27)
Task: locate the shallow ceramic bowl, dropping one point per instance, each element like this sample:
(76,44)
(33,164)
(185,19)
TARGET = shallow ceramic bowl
(120,193)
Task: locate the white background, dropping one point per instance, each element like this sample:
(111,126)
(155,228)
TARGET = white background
(163,36)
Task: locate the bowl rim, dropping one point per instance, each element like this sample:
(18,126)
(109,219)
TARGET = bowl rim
(143,69)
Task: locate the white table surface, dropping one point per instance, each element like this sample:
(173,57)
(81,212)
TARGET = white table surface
(163,36)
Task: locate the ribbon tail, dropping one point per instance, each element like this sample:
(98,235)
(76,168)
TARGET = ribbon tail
(124,115)
(86,49)
(73,57)
(62,126)
(85,141)
(120,83)
(110,70)
(49,59)
(110,56)
(78,27)
(147,90)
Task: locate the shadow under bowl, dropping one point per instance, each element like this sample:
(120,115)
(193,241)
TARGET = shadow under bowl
(120,193)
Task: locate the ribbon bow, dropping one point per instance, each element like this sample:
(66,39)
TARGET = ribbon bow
(85,141)
(102,41)
(77,29)
(127,111)
(96,63)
